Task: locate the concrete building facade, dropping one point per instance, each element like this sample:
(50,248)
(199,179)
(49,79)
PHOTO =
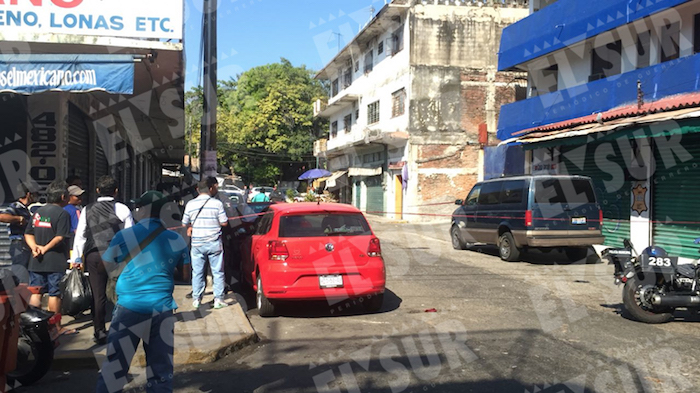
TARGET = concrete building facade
(408,98)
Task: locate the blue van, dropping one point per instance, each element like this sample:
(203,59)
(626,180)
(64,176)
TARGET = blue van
(530,211)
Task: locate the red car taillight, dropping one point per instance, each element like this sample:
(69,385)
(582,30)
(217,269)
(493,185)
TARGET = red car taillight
(374,249)
(277,250)
(600,217)
(528,218)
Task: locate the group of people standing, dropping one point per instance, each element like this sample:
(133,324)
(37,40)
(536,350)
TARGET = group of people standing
(107,239)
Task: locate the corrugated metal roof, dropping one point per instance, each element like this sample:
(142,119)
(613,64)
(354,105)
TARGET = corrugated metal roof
(661,106)
(543,135)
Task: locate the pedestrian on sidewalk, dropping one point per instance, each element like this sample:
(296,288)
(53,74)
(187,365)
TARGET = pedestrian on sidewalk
(18,216)
(47,238)
(204,216)
(98,223)
(75,200)
(149,254)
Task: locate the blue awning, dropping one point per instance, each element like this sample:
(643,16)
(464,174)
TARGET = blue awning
(36,73)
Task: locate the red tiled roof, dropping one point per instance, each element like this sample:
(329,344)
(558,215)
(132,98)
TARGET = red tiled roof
(663,105)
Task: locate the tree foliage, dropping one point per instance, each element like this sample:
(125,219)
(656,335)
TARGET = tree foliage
(266,126)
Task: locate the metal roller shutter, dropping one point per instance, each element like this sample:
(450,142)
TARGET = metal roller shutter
(675,212)
(375,195)
(78,146)
(101,164)
(614,202)
(128,166)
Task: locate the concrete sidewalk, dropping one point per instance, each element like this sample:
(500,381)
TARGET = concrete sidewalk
(201,336)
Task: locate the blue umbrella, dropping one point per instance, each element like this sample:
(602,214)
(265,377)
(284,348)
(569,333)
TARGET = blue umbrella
(314,174)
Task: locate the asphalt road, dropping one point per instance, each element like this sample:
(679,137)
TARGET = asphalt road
(456,321)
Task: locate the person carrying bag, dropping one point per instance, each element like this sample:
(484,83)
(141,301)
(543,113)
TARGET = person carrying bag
(147,255)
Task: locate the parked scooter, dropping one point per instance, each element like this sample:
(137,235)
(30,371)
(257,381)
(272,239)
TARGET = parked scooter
(38,338)
(655,285)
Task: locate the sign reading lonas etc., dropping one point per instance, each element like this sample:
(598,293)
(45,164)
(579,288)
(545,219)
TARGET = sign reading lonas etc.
(161,19)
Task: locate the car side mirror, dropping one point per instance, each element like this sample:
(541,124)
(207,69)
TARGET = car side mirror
(459,202)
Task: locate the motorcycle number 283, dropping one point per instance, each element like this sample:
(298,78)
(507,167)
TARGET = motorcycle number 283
(659,261)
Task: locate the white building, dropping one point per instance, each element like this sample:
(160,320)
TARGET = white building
(408,96)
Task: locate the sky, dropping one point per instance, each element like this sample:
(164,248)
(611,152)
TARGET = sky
(258,32)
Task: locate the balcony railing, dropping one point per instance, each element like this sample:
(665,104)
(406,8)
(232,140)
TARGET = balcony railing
(658,81)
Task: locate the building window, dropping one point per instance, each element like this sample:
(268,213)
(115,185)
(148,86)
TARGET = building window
(606,61)
(334,129)
(347,78)
(546,80)
(347,122)
(380,47)
(397,41)
(334,88)
(357,114)
(670,36)
(398,103)
(369,61)
(373,157)
(373,112)
(644,49)
(357,65)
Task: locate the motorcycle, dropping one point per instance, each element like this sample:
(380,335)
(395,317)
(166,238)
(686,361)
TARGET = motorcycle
(38,338)
(654,283)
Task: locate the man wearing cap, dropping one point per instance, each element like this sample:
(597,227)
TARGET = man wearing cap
(97,225)
(149,254)
(75,200)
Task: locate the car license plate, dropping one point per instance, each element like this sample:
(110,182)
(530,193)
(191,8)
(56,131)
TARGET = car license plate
(578,220)
(331,281)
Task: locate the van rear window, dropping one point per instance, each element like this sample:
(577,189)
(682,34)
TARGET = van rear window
(571,191)
(316,225)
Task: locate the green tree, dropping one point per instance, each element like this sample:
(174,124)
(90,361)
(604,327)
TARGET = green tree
(266,126)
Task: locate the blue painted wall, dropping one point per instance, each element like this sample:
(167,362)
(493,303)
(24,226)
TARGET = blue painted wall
(658,81)
(567,22)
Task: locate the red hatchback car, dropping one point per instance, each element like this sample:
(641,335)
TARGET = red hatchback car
(313,251)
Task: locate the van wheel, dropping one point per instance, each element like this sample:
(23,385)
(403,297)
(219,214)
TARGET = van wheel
(507,249)
(576,254)
(457,242)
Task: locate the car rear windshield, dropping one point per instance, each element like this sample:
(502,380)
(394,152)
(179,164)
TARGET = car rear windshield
(323,224)
(570,191)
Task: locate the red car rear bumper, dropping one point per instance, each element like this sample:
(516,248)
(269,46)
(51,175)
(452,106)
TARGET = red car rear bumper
(285,282)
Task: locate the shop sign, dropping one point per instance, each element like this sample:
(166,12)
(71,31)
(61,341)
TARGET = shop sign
(43,142)
(27,74)
(161,19)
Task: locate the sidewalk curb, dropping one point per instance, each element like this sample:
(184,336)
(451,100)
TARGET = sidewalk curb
(201,337)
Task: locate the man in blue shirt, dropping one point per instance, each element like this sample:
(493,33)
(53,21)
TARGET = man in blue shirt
(144,309)
(75,199)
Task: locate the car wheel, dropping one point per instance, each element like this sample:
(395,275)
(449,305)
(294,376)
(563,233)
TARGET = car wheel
(457,242)
(265,307)
(374,303)
(507,249)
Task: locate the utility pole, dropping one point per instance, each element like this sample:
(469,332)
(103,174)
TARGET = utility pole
(208,165)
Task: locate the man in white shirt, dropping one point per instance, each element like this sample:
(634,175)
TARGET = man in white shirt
(204,216)
(98,223)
